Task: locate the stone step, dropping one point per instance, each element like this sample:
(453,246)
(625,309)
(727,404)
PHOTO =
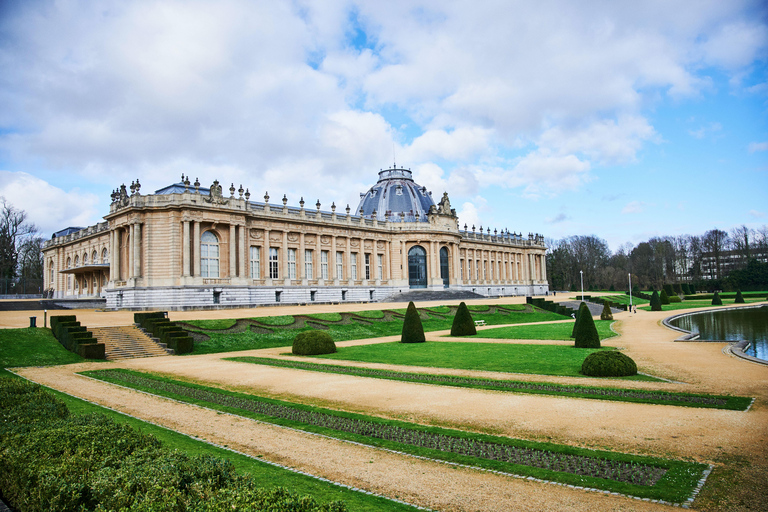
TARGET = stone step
(128,342)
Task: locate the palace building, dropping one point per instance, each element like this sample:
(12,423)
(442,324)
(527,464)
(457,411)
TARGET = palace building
(187,246)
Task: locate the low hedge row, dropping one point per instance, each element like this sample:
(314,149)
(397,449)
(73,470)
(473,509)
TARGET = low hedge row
(611,304)
(76,338)
(54,461)
(548,305)
(166,331)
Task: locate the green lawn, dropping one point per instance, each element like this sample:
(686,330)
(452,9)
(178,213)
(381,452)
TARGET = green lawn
(559,331)
(495,357)
(32,347)
(279,332)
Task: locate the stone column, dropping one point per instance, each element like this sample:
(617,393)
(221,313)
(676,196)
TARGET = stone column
(137,250)
(301,273)
(287,274)
(543,267)
(348,260)
(244,254)
(232,251)
(185,249)
(196,249)
(387,258)
(131,243)
(264,263)
(332,262)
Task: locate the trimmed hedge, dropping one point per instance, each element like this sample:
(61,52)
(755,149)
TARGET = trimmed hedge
(675,298)
(586,332)
(608,363)
(463,324)
(739,298)
(664,297)
(158,325)
(655,302)
(413,331)
(606,313)
(548,305)
(716,300)
(76,338)
(312,343)
(53,461)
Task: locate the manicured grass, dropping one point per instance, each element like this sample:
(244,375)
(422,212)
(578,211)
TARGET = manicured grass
(674,482)
(559,331)
(374,313)
(689,304)
(494,357)
(331,317)
(624,299)
(220,324)
(734,403)
(266,474)
(32,347)
(361,325)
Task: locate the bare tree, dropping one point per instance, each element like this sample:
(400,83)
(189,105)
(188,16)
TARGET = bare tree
(740,239)
(716,243)
(15,231)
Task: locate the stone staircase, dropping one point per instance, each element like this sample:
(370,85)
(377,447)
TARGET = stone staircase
(128,342)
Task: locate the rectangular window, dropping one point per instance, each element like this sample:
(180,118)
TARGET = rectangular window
(324,264)
(485,270)
(461,270)
(367,266)
(292,263)
(308,264)
(273,263)
(255,262)
(380,262)
(469,270)
(353,257)
(339,265)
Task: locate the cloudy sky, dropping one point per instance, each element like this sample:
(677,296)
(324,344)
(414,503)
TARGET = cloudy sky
(620,119)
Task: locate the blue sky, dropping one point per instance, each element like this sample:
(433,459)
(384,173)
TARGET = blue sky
(625,120)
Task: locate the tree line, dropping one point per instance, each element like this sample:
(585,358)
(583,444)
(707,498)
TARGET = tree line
(715,260)
(21,256)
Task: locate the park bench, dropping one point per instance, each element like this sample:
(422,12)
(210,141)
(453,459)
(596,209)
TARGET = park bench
(479,323)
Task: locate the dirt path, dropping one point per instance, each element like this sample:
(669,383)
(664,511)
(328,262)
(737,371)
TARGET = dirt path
(679,432)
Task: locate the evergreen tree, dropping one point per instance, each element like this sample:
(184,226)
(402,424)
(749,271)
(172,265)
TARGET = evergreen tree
(655,301)
(664,297)
(586,332)
(739,298)
(578,314)
(686,289)
(606,314)
(668,288)
(716,300)
(612,289)
(463,325)
(413,331)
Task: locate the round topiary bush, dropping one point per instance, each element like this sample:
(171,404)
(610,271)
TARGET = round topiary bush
(413,331)
(608,363)
(463,325)
(675,298)
(312,343)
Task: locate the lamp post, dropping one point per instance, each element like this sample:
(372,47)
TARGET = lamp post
(630,291)
(581,276)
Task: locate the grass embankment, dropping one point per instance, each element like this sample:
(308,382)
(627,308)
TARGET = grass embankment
(267,332)
(734,403)
(559,331)
(650,477)
(38,347)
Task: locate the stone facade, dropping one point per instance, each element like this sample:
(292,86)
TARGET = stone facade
(191,247)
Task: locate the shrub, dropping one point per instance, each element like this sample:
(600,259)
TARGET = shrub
(668,288)
(586,332)
(463,325)
(606,314)
(608,363)
(664,297)
(716,300)
(312,343)
(675,298)
(677,288)
(413,331)
(612,289)
(739,298)
(686,289)
(576,323)
(655,302)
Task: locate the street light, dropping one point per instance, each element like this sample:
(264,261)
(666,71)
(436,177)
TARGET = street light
(581,275)
(630,292)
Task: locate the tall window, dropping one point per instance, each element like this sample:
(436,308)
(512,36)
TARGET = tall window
(273,262)
(209,255)
(255,262)
(292,263)
(95,257)
(339,265)
(469,268)
(485,270)
(85,258)
(354,266)
(77,261)
(380,262)
(461,270)
(367,266)
(308,264)
(324,264)
(69,262)
(104,256)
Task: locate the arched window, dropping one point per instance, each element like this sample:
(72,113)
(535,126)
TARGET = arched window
(444,266)
(94,257)
(50,273)
(85,258)
(209,255)
(104,256)
(69,262)
(417,267)
(77,261)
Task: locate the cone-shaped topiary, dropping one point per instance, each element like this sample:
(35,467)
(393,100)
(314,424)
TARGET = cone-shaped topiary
(716,300)
(311,343)
(655,302)
(606,314)
(463,325)
(686,289)
(612,289)
(677,288)
(576,323)
(608,363)
(586,332)
(664,297)
(739,298)
(413,331)
(668,288)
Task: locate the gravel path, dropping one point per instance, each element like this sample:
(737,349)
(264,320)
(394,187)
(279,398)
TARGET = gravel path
(678,432)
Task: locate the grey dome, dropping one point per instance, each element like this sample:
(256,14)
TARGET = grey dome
(394,194)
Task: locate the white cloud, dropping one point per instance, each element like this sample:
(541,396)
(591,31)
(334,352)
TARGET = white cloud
(560,217)
(539,173)
(48,207)
(706,131)
(757,214)
(757,146)
(634,207)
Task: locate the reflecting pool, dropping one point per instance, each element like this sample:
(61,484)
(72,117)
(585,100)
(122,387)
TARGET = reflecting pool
(731,325)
